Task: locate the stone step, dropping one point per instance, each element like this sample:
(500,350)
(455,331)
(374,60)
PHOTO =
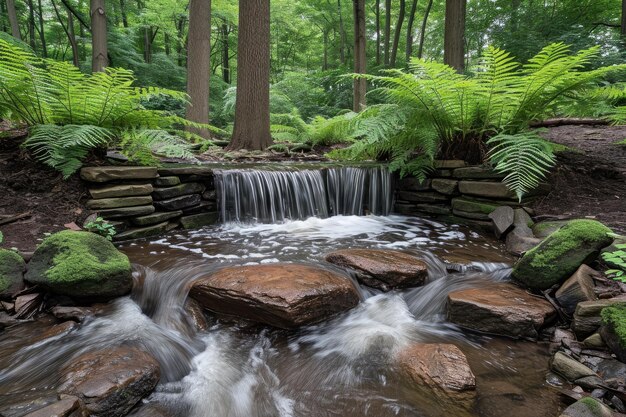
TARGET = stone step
(179,203)
(106,174)
(156,218)
(177,191)
(138,233)
(486,189)
(196,221)
(124,190)
(111,203)
(118,213)
(466,205)
(422,197)
(167,181)
(476,173)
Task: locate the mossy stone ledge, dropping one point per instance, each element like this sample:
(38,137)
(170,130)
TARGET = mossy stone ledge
(81,265)
(560,254)
(614,330)
(12,267)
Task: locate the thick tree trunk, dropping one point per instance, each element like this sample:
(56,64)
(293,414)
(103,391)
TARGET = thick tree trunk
(99,54)
(378,32)
(252,110)
(387,31)
(398,31)
(454,35)
(225,54)
(420,50)
(199,64)
(342,35)
(42,36)
(15,27)
(409,32)
(31,24)
(360,61)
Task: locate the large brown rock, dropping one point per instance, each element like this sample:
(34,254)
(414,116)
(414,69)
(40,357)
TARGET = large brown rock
(587,318)
(442,369)
(66,407)
(110,382)
(281,295)
(578,288)
(500,308)
(380,268)
(112,173)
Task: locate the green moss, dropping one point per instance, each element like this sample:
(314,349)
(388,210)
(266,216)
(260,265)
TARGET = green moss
(593,405)
(80,264)
(12,267)
(615,317)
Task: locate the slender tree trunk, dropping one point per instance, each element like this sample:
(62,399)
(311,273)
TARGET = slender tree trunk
(360,61)
(623,25)
(225,54)
(69,31)
(325,61)
(31,24)
(42,36)
(378,32)
(147,44)
(454,34)
(409,31)
(15,27)
(398,31)
(342,35)
(387,36)
(81,34)
(123,12)
(180,25)
(252,110)
(166,43)
(420,50)
(3,10)
(199,64)
(99,56)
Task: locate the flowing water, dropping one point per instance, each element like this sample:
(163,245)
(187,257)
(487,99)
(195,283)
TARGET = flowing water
(342,367)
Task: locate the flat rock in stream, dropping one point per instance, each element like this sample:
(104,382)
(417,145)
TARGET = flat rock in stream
(382,269)
(501,308)
(281,295)
(110,382)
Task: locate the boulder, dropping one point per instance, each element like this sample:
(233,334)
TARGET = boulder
(500,308)
(560,254)
(502,219)
(105,174)
(587,407)
(156,218)
(486,189)
(281,295)
(80,264)
(110,382)
(178,203)
(111,203)
(578,288)
(118,213)
(587,319)
(142,232)
(124,190)
(167,181)
(614,330)
(442,370)
(445,186)
(382,269)
(12,267)
(546,228)
(196,221)
(68,406)
(570,368)
(178,190)
(594,342)
(78,314)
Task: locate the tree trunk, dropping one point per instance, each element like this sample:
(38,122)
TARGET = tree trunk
(454,35)
(387,30)
(69,31)
(42,36)
(123,12)
(623,26)
(99,55)
(31,24)
(15,27)
(398,31)
(360,61)
(180,25)
(166,43)
(199,64)
(3,11)
(378,32)
(409,32)
(420,49)
(342,35)
(147,44)
(225,54)
(252,110)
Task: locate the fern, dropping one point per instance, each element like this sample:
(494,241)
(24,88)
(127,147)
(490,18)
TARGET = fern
(525,158)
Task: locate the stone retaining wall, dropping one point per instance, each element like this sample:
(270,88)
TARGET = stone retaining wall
(148,201)
(459,193)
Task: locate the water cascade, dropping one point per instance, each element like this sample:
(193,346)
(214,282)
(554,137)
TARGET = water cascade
(272,196)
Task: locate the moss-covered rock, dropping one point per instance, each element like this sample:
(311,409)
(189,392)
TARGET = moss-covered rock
(561,253)
(80,264)
(614,330)
(12,267)
(587,407)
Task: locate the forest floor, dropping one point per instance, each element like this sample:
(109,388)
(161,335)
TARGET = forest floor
(589,181)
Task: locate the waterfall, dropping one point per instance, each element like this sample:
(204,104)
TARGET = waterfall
(272,196)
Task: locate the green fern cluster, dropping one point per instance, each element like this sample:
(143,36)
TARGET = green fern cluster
(70,114)
(493,107)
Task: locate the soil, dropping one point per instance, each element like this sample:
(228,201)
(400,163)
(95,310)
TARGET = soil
(36,191)
(588,181)
(590,177)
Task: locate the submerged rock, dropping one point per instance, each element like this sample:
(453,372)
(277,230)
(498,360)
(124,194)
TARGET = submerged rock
(440,368)
(383,269)
(560,254)
(587,407)
(281,295)
(110,382)
(501,308)
(80,264)
(12,267)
